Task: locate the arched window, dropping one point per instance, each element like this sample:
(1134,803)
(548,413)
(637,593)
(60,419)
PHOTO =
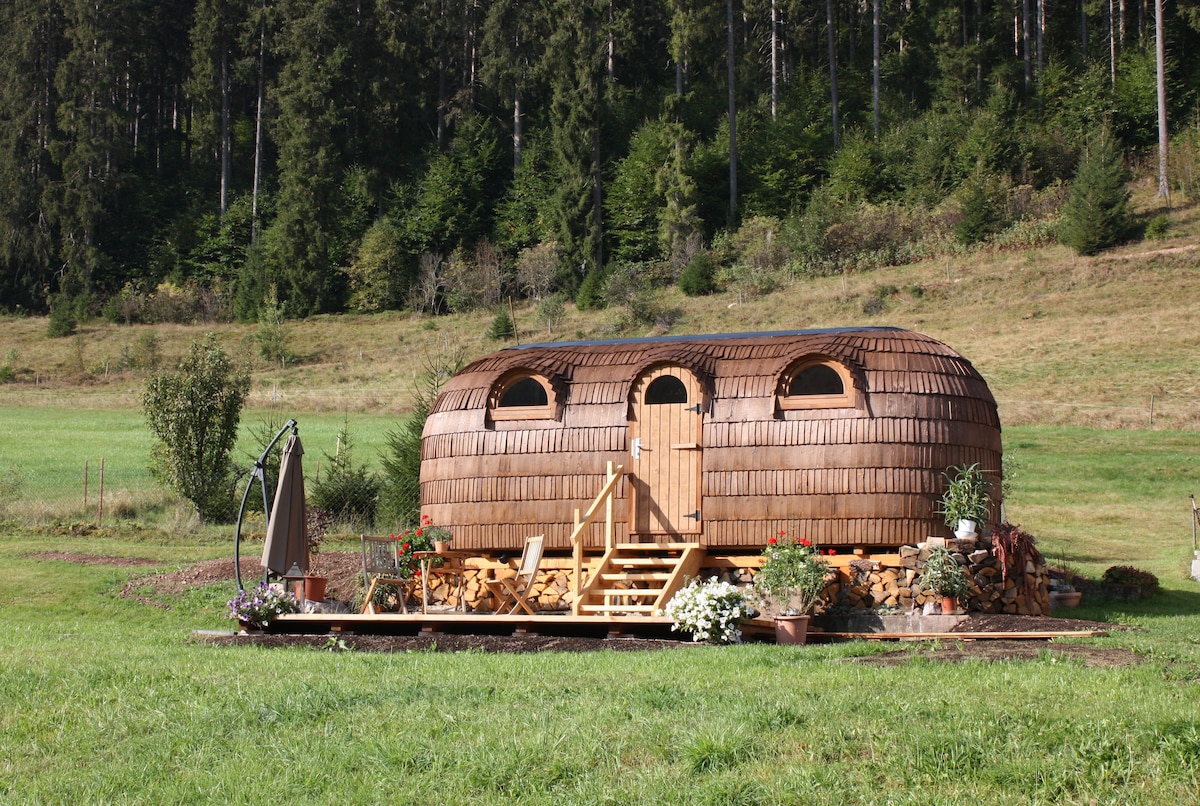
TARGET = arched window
(816,383)
(525,392)
(522,395)
(666,389)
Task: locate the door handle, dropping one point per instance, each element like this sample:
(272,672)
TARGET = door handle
(636,448)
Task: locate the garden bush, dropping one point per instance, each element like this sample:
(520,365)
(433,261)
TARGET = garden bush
(1126,576)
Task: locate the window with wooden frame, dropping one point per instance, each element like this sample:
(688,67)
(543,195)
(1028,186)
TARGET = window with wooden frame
(522,395)
(816,383)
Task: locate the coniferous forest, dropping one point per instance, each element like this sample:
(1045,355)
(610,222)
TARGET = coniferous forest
(167,159)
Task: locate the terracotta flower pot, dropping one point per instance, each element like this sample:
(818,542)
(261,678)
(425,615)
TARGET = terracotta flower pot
(441,546)
(947,605)
(314,588)
(791,629)
(1065,598)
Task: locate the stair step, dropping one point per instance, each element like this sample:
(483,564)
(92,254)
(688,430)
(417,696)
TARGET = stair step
(648,576)
(655,546)
(589,608)
(643,561)
(627,591)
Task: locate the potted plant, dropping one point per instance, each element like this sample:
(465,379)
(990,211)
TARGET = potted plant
(944,577)
(316,523)
(965,503)
(790,582)
(255,608)
(710,611)
(1062,587)
(439,537)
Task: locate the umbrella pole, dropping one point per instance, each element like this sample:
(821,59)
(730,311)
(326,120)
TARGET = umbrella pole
(255,473)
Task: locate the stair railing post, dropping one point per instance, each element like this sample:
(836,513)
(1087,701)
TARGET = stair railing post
(577,557)
(608,509)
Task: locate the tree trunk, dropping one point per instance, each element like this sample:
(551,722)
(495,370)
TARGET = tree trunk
(1164,188)
(775,59)
(518,130)
(258,127)
(729,70)
(226,136)
(1026,50)
(875,63)
(1112,44)
(831,39)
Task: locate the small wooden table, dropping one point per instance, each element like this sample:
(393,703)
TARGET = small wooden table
(451,565)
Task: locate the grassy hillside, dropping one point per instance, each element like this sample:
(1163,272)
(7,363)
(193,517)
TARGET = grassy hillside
(1061,339)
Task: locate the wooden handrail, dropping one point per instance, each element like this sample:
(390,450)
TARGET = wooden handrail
(605,497)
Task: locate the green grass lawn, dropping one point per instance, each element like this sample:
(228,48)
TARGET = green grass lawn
(48,447)
(105,699)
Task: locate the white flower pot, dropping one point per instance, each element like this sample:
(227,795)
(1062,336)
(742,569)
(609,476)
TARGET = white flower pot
(966,528)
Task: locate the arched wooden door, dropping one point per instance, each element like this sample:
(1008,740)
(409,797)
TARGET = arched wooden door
(666,426)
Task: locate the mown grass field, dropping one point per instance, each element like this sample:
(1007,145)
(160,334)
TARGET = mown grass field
(106,699)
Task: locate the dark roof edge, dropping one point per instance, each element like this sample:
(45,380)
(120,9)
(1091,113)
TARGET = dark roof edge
(708,337)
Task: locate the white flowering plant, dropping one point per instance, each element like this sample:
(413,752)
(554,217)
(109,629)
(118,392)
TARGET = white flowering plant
(261,604)
(710,611)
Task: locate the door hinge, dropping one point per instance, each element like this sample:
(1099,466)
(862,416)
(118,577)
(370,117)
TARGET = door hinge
(693,515)
(696,408)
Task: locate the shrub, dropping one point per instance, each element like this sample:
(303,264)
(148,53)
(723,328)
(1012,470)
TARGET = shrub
(194,414)
(1130,577)
(697,278)
(1096,216)
(1158,227)
(349,492)
(983,209)
(400,485)
(502,326)
(591,293)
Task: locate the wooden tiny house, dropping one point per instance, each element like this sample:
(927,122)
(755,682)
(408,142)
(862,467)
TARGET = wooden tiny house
(838,435)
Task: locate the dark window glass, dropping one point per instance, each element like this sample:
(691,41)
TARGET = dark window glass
(818,379)
(666,389)
(525,392)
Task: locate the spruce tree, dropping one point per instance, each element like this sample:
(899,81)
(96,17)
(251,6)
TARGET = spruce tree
(1096,216)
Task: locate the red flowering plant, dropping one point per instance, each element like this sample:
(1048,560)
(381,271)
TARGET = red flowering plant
(792,577)
(420,538)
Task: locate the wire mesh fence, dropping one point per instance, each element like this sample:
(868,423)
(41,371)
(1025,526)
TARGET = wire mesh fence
(102,491)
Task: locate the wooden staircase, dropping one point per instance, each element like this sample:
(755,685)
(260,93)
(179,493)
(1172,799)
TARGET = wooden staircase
(638,578)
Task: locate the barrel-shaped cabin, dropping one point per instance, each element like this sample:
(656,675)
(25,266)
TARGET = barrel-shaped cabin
(838,435)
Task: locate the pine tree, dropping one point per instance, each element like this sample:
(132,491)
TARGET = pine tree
(29,41)
(1096,216)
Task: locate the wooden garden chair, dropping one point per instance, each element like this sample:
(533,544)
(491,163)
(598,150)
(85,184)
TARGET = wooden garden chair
(517,590)
(381,566)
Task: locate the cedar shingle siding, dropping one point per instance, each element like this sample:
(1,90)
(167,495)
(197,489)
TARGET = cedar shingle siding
(863,471)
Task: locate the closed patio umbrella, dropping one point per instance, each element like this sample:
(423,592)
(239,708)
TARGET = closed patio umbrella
(287,536)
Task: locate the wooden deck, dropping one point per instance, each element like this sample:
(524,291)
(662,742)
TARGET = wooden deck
(559,624)
(562,624)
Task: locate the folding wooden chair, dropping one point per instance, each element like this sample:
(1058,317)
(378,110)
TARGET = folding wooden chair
(517,590)
(381,566)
